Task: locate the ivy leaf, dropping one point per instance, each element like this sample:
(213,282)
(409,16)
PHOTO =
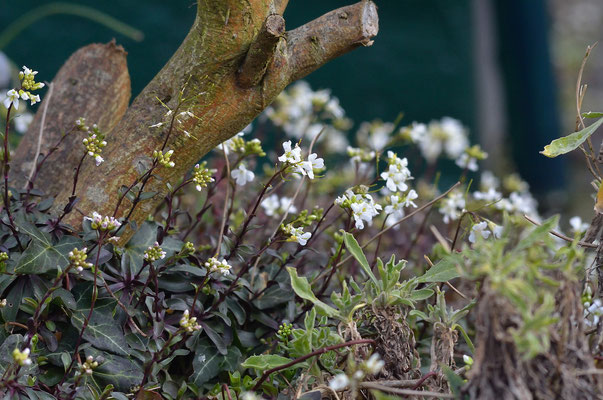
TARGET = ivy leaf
(206,364)
(303,289)
(570,142)
(352,245)
(102,332)
(264,362)
(443,271)
(135,248)
(41,255)
(121,372)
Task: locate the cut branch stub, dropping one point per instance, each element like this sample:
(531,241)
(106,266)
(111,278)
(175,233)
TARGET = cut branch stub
(93,83)
(261,52)
(205,72)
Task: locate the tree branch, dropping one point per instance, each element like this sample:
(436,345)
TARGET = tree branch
(261,52)
(202,79)
(335,33)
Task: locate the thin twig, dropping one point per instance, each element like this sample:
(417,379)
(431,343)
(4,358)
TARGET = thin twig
(225,208)
(318,352)
(406,392)
(562,236)
(40,135)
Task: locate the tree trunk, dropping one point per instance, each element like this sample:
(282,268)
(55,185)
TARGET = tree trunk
(93,83)
(233,63)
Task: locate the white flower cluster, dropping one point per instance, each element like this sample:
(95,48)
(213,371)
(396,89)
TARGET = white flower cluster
(154,253)
(375,135)
(77,258)
(189,324)
(296,234)
(292,156)
(272,205)
(88,366)
(397,173)
(100,223)
(444,136)
(520,199)
(28,84)
(21,357)
(301,112)
(452,206)
(164,158)
(215,265)
(94,143)
(363,207)
(231,144)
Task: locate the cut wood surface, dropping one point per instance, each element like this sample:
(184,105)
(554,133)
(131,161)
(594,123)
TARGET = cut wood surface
(93,83)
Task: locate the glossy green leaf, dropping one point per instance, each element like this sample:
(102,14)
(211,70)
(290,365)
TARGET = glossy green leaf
(206,364)
(570,142)
(121,372)
(41,255)
(102,332)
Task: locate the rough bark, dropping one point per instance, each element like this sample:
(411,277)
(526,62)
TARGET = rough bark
(93,83)
(204,72)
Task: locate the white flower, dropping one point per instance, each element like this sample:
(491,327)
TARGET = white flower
(98,160)
(447,135)
(273,205)
(452,206)
(489,181)
(374,364)
(398,202)
(242,175)
(397,174)
(490,195)
(100,223)
(497,230)
(308,167)
(22,122)
(297,234)
(12,96)
(468,162)
(189,324)
(291,155)
(364,210)
(339,382)
(34,99)
(479,229)
(417,132)
(250,396)
(577,225)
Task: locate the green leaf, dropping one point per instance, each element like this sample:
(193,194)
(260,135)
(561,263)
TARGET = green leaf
(455,381)
(206,364)
(443,271)
(41,255)
(592,114)
(121,372)
(102,332)
(303,289)
(570,142)
(353,247)
(135,248)
(421,294)
(264,362)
